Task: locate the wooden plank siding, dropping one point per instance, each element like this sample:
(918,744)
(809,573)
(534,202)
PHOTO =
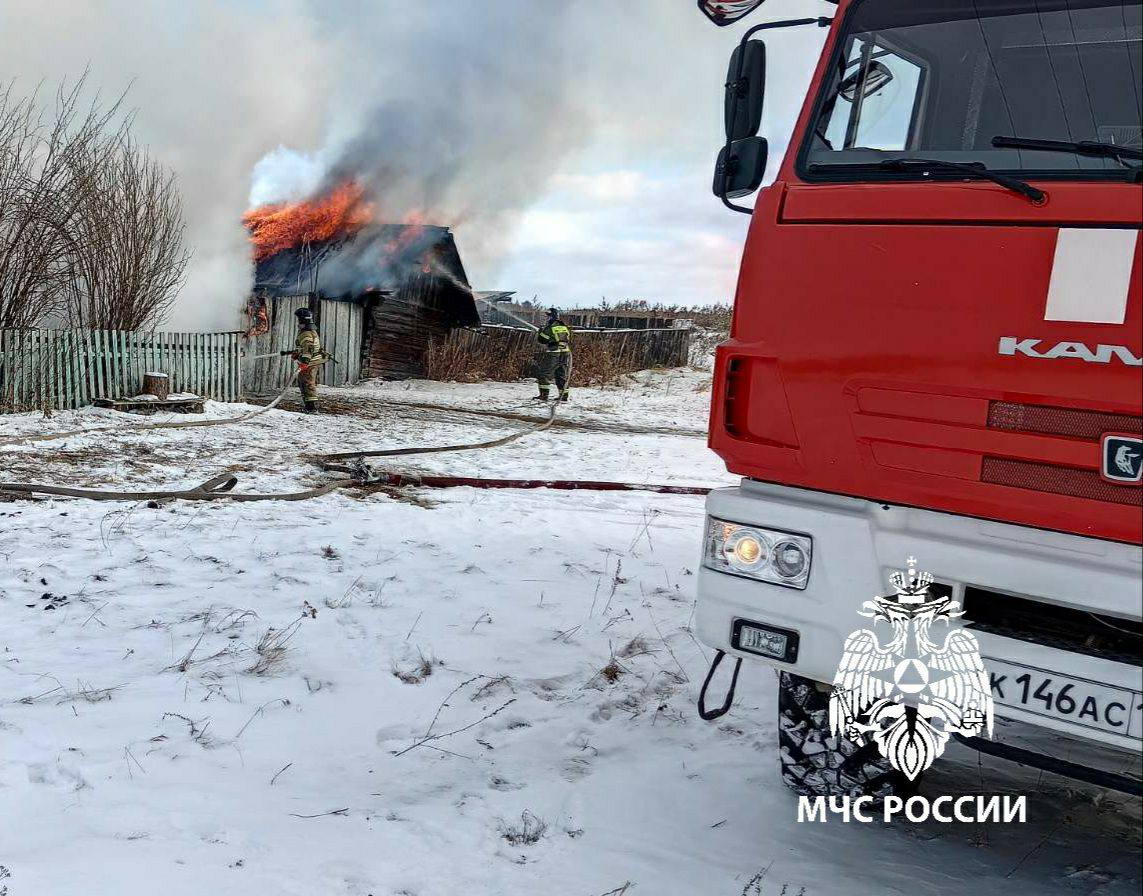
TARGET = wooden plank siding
(339,326)
(271,374)
(63,369)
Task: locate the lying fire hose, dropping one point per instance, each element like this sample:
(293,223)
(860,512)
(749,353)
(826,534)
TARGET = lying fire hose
(214,489)
(357,473)
(441,449)
(353,474)
(147,427)
(366,476)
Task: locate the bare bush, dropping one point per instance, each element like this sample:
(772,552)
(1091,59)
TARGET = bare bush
(456,359)
(463,357)
(526,832)
(90,226)
(127,260)
(39,151)
(709,317)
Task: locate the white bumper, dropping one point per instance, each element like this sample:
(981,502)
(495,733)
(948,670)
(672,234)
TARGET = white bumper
(856,544)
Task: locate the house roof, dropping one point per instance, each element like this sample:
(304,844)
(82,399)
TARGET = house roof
(375,260)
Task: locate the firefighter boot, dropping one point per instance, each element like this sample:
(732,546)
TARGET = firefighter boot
(543,396)
(564,395)
(310,407)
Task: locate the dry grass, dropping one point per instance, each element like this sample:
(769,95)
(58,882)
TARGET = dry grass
(600,364)
(450,360)
(466,359)
(418,673)
(526,832)
(271,647)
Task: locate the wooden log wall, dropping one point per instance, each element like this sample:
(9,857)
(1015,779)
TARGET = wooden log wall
(62,369)
(399,328)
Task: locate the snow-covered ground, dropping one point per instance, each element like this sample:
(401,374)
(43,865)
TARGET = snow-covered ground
(456,692)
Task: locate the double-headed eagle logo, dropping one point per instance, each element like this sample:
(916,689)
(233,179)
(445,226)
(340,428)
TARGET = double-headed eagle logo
(910,694)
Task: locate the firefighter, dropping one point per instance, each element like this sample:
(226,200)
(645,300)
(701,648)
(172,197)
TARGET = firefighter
(556,358)
(308,353)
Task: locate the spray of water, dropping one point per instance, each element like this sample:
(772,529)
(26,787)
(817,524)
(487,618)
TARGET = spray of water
(500,309)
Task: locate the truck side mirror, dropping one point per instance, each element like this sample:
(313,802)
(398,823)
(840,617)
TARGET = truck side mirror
(745,88)
(727,12)
(740,168)
(869,79)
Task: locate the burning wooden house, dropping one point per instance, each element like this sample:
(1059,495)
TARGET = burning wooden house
(379,293)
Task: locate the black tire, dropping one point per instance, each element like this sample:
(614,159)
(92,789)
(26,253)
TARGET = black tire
(818,763)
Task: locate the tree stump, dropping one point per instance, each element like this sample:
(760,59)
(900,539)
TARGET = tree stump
(157,384)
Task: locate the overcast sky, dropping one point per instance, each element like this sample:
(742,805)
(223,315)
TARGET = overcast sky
(569,145)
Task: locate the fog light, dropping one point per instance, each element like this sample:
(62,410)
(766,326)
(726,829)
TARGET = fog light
(769,643)
(765,640)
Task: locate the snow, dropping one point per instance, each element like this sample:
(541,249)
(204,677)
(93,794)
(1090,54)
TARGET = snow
(393,693)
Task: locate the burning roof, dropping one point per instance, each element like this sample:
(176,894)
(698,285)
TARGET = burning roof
(335,247)
(289,225)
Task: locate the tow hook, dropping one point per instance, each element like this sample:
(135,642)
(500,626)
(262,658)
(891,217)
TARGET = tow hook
(709,715)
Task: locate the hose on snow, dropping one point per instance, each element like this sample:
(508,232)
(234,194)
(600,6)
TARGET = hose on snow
(356,473)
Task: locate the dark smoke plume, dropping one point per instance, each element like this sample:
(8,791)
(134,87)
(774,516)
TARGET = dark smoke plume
(460,118)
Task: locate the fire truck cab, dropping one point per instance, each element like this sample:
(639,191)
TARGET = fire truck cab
(936,353)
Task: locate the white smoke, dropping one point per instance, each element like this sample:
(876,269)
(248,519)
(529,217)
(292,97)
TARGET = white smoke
(211,95)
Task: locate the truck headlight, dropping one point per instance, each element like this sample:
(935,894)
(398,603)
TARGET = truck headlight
(782,558)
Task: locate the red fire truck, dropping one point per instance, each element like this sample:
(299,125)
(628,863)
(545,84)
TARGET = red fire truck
(936,352)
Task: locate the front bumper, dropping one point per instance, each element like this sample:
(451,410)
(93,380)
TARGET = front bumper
(857,543)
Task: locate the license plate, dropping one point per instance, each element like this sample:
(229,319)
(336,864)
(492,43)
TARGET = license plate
(1077,701)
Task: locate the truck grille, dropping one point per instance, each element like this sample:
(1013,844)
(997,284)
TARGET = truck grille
(1048,421)
(1058,480)
(1076,482)
(1031,620)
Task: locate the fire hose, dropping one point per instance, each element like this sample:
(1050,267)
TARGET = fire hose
(352,474)
(214,489)
(182,424)
(150,427)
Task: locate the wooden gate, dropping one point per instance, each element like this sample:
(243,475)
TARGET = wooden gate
(339,326)
(340,329)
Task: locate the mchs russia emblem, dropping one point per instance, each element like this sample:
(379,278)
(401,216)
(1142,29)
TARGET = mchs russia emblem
(918,684)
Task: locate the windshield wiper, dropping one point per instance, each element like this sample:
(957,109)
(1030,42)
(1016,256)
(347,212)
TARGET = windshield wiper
(975,170)
(1078,147)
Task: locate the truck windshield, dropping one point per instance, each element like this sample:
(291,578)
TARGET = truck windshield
(940,79)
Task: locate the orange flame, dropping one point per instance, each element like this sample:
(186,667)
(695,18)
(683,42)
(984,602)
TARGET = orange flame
(287,225)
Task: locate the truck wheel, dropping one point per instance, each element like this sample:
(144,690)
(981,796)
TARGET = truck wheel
(816,762)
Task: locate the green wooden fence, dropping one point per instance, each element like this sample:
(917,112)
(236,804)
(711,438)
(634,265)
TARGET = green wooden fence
(71,368)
